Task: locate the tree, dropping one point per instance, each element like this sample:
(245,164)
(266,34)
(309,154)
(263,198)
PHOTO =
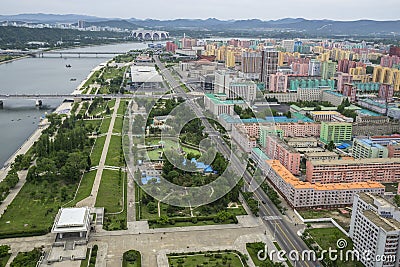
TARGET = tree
(152,207)
(330,146)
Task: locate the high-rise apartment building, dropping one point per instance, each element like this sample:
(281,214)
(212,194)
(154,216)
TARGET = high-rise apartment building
(375,230)
(269,65)
(328,69)
(288,45)
(336,132)
(384,170)
(251,64)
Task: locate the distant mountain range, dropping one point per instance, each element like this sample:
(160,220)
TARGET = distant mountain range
(314,27)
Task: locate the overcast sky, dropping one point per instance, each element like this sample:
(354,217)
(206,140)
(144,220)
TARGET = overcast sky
(222,9)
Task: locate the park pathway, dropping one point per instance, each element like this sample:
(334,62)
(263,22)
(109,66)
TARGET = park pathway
(91,200)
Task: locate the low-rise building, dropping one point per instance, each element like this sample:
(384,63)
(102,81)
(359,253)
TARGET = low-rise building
(219,104)
(373,105)
(145,77)
(365,148)
(375,229)
(301,142)
(329,116)
(325,155)
(333,97)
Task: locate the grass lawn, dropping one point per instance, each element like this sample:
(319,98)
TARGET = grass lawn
(122,107)
(27,259)
(85,187)
(118,125)
(92,78)
(168,145)
(114,152)
(208,259)
(391,187)
(253,249)
(131,258)
(85,262)
(97,150)
(110,191)
(35,206)
(99,109)
(315,214)
(4,260)
(111,103)
(328,237)
(105,125)
(110,73)
(110,197)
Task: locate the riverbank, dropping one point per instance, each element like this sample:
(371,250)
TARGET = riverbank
(14,59)
(24,148)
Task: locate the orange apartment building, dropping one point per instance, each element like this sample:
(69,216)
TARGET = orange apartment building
(302,195)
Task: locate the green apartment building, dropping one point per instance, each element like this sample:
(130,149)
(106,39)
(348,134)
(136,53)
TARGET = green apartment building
(267,131)
(336,132)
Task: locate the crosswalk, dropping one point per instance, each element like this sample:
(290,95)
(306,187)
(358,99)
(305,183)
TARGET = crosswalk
(272,218)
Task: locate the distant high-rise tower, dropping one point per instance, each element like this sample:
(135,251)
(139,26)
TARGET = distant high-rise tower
(269,65)
(251,64)
(81,24)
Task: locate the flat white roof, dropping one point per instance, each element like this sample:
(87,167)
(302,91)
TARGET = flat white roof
(72,217)
(145,74)
(71,220)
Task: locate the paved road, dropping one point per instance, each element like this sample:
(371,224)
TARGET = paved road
(91,200)
(285,236)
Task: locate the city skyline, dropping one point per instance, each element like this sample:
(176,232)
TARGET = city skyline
(310,9)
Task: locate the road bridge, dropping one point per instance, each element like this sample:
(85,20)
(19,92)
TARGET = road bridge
(38,98)
(63,53)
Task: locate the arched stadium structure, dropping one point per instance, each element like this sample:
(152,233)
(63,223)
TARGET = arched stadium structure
(150,35)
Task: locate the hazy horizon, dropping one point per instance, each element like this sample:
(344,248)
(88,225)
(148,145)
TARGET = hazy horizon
(342,10)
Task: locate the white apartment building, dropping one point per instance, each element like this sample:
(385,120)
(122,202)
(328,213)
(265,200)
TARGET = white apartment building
(243,139)
(375,228)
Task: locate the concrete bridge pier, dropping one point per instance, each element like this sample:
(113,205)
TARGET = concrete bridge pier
(39,103)
(1,104)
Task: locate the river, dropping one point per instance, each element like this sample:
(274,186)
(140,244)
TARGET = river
(20,118)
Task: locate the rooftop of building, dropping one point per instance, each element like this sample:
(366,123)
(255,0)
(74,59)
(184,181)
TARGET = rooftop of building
(353,107)
(71,220)
(321,154)
(367,198)
(301,139)
(145,74)
(283,144)
(372,102)
(366,161)
(334,93)
(369,143)
(386,224)
(216,98)
(260,153)
(393,136)
(336,123)
(277,119)
(325,112)
(288,177)
(366,112)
